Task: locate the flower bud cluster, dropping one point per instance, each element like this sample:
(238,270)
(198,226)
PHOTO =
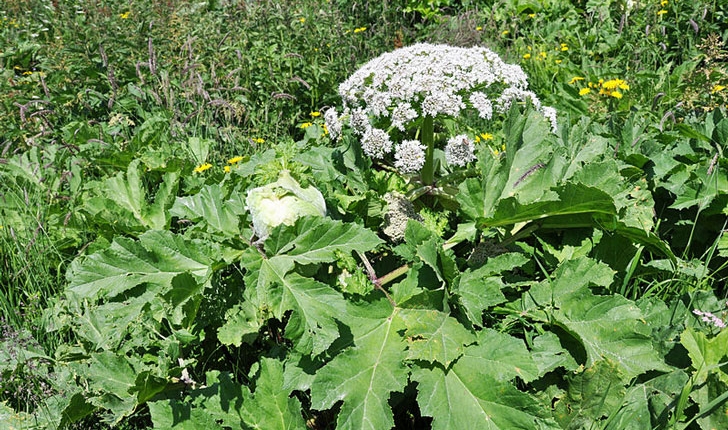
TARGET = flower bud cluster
(710,318)
(398,88)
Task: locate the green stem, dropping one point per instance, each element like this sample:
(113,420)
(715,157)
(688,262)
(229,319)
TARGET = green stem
(428,139)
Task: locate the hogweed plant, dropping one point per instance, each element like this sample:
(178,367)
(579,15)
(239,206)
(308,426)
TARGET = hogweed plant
(392,104)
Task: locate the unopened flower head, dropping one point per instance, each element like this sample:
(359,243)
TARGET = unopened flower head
(459,151)
(409,156)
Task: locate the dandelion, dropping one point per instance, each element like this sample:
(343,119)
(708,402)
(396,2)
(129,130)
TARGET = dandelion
(486,136)
(616,94)
(226,169)
(258,140)
(663,3)
(542,54)
(478,28)
(564,47)
(614,84)
(360,30)
(201,168)
(661,12)
(235,160)
(558,61)
(717,89)
(505,33)
(576,79)
(315,114)
(584,91)
(532,15)
(125,15)
(306,125)
(526,56)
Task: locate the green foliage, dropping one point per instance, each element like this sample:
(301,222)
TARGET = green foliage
(570,280)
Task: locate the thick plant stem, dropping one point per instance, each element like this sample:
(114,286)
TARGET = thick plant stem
(427,135)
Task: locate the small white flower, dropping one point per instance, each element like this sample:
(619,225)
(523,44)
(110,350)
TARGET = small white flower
(403,114)
(481,102)
(359,121)
(459,151)
(409,156)
(333,124)
(376,143)
(550,114)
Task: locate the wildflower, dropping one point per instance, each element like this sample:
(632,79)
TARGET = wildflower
(614,84)
(526,56)
(482,104)
(235,160)
(376,143)
(315,114)
(616,94)
(201,168)
(717,89)
(301,20)
(709,318)
(459,151)
(550,114)
(360,29)
(584,91)
(333,124)
(409,156)
(478,28)
(306,125)
(532,15)
(663,3)
(125,15)
(505,33)
(326,129)
(564,47)
(661,12)
(542,54)
(575,79)
(486,136)
(259,140)
(226,169)
(558,61)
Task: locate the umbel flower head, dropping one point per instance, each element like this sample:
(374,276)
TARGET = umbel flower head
(398,89)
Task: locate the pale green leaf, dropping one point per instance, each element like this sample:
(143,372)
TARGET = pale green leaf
(210,207)
(434,336)
(500,356)
(364,375)
(271,407)
(465,398)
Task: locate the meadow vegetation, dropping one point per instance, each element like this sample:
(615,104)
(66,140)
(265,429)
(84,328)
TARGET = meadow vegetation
(487,265)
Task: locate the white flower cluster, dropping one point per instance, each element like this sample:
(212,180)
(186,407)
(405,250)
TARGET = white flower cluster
(459,150)
(399,87)
(409,156)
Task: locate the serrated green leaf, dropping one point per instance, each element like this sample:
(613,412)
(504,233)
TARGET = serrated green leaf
(464,398)
(592,395)
(242,324)
(210,207)
(318,240)
(156,258)
(707,355)
(548,354)
(364,375)
(434,336)
(500,356)
(270,406)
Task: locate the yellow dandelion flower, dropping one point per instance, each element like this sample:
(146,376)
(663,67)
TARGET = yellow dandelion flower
(360,29)
(505,33)
(477,139)
(201,168)
(326,129)
(235,160)
(576,79)
(613,84)
(27,73)
(542,54)
(486,136)
(717,88)
(478,28)
(526,56)
(301,20)
(315,114)
(663,3)
(532,15)
(584,91)
(306,125)
(226,169)
(564,47)
(661,12)
(557,61)
(125,15)
(616,94)
(258,140)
